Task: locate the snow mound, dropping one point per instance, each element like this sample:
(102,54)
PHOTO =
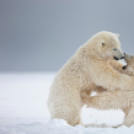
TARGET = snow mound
(57,126)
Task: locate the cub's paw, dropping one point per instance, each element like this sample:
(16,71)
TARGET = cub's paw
(88,101)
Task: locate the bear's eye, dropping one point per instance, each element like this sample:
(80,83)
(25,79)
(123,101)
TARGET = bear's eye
(115,49)
(103,44)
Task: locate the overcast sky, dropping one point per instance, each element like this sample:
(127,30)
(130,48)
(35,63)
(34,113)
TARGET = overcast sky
(41,35)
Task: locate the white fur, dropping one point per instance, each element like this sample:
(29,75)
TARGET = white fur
(117,99)
(88,67)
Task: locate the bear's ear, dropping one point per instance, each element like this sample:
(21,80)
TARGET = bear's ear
(103,44)
(117,35)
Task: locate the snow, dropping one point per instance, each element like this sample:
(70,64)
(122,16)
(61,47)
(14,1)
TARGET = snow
(23,109)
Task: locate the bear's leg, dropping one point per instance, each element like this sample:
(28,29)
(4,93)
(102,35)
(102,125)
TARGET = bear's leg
(66,113)
(104,101)
(78,121)
(129,118)
(111,100)
(126,111)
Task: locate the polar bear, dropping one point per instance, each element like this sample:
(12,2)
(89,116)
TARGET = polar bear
(117,65)
(89,66)
(117,99)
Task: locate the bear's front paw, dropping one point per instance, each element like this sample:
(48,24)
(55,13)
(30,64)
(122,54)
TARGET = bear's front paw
(88,101)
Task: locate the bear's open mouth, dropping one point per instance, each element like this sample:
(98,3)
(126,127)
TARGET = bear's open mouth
(115,58)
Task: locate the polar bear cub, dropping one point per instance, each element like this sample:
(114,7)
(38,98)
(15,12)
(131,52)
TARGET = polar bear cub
(117,99)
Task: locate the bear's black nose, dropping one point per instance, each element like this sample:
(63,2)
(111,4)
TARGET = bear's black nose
(124,53)
(124,67)
(122,57)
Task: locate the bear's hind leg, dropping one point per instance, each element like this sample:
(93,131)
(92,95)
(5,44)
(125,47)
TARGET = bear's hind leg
(72,117)
(129,118)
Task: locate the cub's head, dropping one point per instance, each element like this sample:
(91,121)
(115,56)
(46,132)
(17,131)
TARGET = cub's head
(105,45)
(130,62)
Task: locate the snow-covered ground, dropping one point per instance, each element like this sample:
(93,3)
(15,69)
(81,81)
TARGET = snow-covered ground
(23,109)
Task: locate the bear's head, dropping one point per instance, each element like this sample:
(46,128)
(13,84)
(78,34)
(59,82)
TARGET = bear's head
(130,62)
(105,45)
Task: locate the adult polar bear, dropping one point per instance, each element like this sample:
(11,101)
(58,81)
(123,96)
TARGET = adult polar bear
(89,66)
